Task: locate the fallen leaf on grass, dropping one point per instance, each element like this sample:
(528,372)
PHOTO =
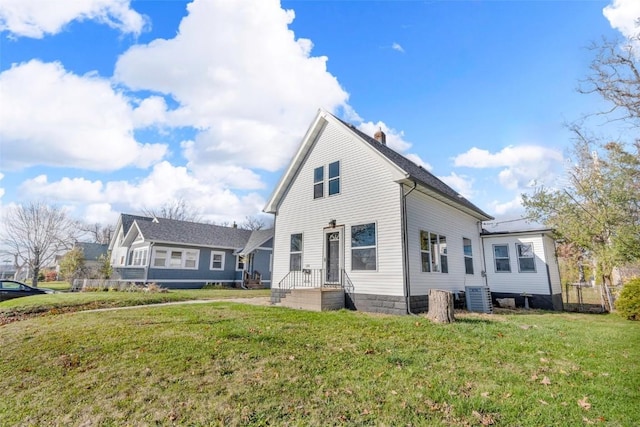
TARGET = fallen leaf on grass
(543,360)
(545,381)
(584,404)
(485,394)
(542,401)
(485,419)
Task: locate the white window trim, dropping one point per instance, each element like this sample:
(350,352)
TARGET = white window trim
(495,259)
(375,246)
(437,268)
(222,259)
(238,257)
(533,256)
(335,178)
(296,252)
(141,255)
(183,258)
(465,256)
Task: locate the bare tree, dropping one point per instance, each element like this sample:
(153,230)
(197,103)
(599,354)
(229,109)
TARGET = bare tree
(615,76)
(177,209)
(35,233)
(99,233)
(253,223)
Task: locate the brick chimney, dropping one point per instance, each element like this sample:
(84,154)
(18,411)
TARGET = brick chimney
(380,137)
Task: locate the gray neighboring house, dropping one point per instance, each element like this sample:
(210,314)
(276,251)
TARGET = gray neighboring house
(92,256)
(184,254)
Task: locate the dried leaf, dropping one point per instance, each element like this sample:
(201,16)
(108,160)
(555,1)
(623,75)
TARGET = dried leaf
(542,401)
(485,394)
(584,404)
(292,357)
(534,377)
(546,381)
(394,392)
(543,360)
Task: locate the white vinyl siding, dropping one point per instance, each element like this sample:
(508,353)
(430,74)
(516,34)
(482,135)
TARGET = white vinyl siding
(175,258)
(367,186)
(516,282)
(425,213)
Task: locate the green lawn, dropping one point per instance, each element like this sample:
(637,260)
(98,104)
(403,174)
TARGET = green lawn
(19,308)
(232,364)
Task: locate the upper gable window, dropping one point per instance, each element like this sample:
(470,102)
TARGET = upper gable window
(318,182)
(334,178)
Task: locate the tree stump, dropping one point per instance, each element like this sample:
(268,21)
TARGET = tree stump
(440,306)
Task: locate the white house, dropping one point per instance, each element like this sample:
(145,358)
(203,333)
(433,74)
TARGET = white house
(353,213)
(523,263)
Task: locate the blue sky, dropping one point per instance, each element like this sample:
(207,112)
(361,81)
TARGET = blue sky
(112,106)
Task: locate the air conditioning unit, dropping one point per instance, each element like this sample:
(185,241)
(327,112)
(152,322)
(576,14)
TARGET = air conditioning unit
(479,299)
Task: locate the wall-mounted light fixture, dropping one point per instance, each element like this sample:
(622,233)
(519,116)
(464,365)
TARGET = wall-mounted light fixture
(332,223)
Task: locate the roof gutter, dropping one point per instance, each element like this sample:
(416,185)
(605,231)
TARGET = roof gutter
(405,247)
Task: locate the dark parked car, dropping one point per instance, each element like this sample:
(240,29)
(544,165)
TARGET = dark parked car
(10,289)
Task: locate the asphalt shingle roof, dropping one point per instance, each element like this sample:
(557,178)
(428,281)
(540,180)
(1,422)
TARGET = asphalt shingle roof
(421,175)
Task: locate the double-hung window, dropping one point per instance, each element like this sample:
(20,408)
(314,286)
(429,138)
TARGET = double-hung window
(433,252)
(363,247)
(139,257)
(333,181)
(501,257)
(334,178)
(217,260)
(295,252)
(318,182)
(526,260)
(176,258)
(468,255)
(239,263)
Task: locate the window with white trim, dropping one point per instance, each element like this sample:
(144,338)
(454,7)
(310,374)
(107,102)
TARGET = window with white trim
(468,255)
(318,182)
(186,259)
(239,263)
(526,260)
(295,252)
(139,257)
(433,252)
(363,247)
(501,258)
(217,261)
(334,178)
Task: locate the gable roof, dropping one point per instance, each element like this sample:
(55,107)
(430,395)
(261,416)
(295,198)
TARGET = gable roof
(411,171)
(172,231)
(127,221)
(257,239)
(92,251)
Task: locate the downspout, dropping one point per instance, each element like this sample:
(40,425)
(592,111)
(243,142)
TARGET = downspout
(483,273)
(405,246)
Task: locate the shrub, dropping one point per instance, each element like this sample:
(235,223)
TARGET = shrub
(628,302)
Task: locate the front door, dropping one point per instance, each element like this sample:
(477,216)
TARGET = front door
(333,255)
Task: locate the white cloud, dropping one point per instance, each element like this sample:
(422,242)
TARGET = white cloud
(61,119)
(509,207)
(37,18)
(623,15)
(396,46)
(252,89)
(461,183)
(523,166)
(95,201)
